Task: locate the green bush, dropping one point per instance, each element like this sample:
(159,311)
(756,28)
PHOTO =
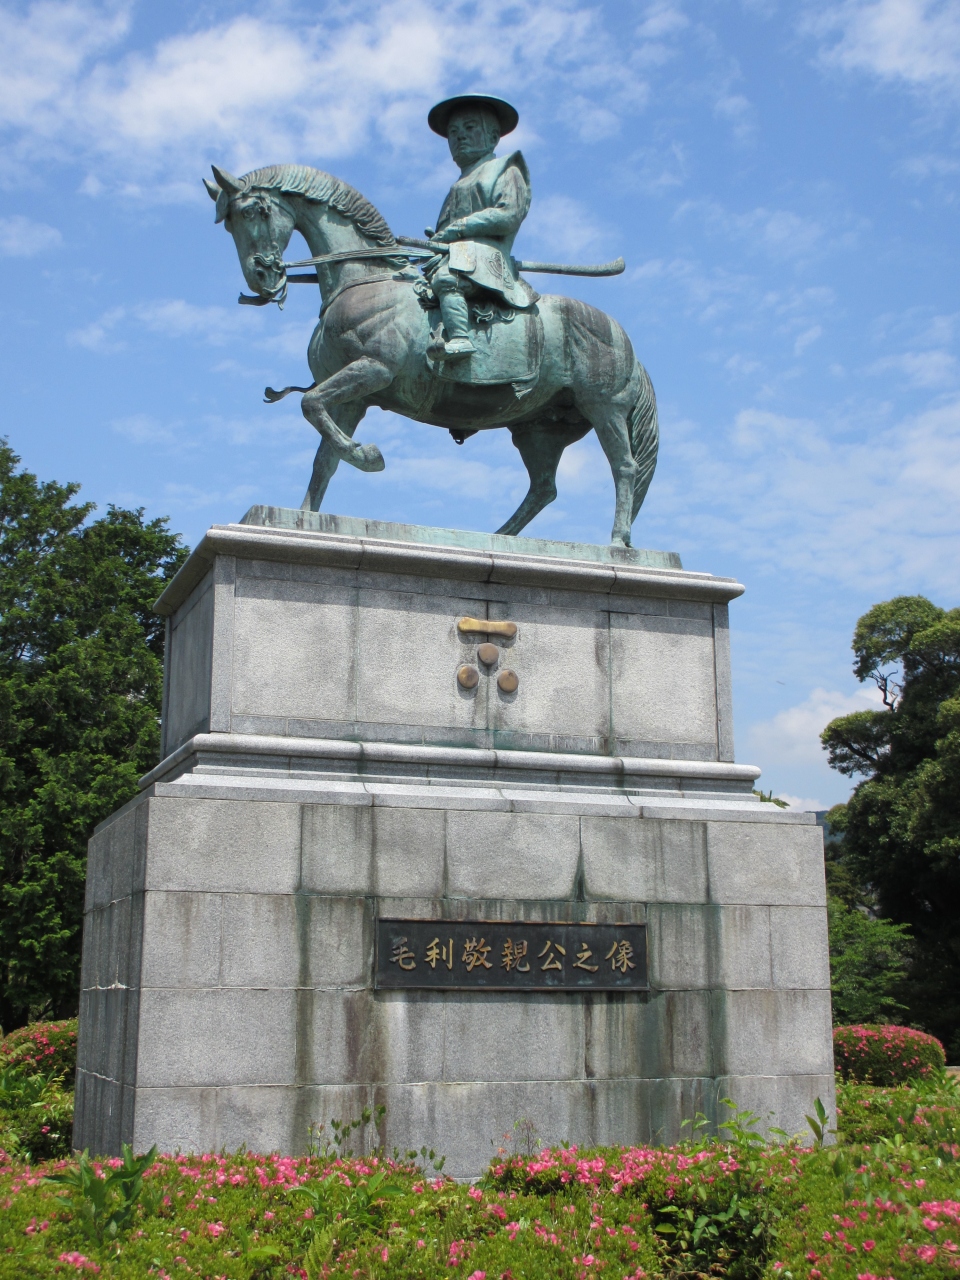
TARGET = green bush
(886,1055)
(926,1111)
(736,1209)
(44,1048)
(37,1068)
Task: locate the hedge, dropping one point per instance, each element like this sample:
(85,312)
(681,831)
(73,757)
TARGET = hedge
(886,1055)
(42,1048)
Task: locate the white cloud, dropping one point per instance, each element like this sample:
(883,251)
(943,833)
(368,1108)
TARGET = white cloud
(142,429)
(930,166)
(915,41)
(779,232)
(790,741)
(876,513)
(175,318)
(800,805)
(920,368)
(22,238)
(562,227)
(806,339)
(249,89)
(96,336)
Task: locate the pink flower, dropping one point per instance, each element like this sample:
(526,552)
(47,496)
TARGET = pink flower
(268,1214)
(384,1254)
(927,1252)
(79,1261)
(868,1245)
(475,1193)
(216,1228)
(478,1275)
(421,1244)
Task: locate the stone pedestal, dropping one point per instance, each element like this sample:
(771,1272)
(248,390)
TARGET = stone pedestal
(324,769)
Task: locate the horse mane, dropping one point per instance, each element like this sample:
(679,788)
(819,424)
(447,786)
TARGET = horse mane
(314,184)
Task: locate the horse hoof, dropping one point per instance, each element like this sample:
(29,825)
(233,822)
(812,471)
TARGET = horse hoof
(371,459)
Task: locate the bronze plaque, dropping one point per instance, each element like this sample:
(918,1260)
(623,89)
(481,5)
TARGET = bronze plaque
(511,955)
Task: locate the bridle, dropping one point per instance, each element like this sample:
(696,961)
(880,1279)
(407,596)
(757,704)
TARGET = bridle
(402,257)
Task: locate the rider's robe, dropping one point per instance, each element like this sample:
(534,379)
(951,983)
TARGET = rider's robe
(492,201)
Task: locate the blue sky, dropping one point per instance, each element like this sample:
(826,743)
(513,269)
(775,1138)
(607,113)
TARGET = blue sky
(782,179)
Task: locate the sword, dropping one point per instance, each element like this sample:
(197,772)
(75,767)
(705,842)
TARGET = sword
(614,268)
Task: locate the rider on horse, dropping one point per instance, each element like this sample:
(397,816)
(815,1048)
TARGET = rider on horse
(480,217)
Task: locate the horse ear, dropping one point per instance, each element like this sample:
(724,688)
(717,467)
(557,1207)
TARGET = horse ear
(213,191)
(227,181)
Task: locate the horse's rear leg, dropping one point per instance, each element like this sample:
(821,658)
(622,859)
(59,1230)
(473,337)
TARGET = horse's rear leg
(326,461)
(611,424)
(540,446)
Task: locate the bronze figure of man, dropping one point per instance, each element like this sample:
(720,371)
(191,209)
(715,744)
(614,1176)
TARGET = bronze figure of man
(480,217)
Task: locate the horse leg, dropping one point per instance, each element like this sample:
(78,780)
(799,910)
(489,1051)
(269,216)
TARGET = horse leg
(540,446)
(327,460)
(610,422)
(354,382)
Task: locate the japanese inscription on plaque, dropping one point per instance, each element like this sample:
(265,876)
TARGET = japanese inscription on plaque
(510,955)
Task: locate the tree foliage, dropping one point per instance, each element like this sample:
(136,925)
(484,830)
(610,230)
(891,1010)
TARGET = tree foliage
(81,658)
(868,962)
(901,827)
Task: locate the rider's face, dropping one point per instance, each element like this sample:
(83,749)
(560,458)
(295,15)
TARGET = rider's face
(471,134)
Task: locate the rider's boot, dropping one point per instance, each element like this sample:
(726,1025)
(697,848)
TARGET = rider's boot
(456,321)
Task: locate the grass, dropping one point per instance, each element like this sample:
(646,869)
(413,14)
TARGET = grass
(883,1202)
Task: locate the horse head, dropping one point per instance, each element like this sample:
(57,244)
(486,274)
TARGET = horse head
(261,222)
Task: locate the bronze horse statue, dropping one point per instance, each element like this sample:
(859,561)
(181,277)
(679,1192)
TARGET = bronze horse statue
(372,347)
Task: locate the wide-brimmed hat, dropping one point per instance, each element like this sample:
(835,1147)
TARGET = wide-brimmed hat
(439,117)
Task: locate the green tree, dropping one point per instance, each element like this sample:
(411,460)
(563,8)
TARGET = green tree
(901,826)
(868,962)
(81,660)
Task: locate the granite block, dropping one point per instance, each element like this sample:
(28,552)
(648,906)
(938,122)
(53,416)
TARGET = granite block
(230,1036)
(224,846)
(770,864)
(799,947)
(338,847)
(181,945)
(773,1032)
(516,855)
(408,851)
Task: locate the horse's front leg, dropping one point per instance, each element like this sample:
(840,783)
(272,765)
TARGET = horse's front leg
(354,382)
(325,463)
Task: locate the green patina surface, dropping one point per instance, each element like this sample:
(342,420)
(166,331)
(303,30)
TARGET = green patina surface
(463,342)
(357,527)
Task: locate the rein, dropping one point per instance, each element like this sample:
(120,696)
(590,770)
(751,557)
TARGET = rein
(348,255)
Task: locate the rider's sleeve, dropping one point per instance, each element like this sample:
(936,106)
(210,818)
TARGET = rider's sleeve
(511,204)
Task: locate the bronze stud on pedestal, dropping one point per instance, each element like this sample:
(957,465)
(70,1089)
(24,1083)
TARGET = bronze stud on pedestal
(507,681)
(488,654)
(468,677)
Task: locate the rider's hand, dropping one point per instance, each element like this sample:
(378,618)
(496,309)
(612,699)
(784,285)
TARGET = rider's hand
(448,234)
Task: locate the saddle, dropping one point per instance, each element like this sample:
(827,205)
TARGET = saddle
(509,344)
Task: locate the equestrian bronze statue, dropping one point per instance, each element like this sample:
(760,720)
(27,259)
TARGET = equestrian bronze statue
(446,330)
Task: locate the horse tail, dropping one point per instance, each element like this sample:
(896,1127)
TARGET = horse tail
(644,437)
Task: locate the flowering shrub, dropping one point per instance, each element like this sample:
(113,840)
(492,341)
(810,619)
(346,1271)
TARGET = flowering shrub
(44,1048)
(886,1055)
(737,1209)
(37,1068)
(927,1111)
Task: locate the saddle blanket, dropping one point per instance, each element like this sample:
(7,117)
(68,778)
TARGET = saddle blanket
(509,348)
